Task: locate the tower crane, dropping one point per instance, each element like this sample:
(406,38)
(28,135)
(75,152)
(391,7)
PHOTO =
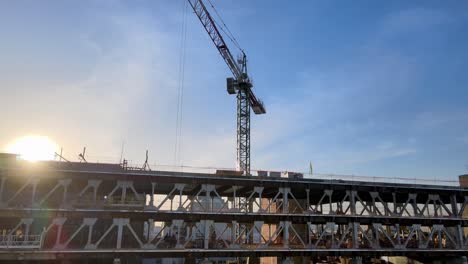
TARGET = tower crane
(240,84)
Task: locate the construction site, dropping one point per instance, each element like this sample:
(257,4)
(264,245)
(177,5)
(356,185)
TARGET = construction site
(77,212)
(64,211)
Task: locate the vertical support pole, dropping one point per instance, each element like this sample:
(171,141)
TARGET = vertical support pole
(398,232)
(373,206)
(95,187)
(90,234)
(286,233)
(352,200)
(65,193)
(180,199)
(234,232)
(124,193)
(27,223)
(235,198)
(153,185)
(460,237)
(35,182)
(59,223)
(207,227)
(453,202)
(208,201)
(269,231)
(119,232)
(190,197)
(376,227)
(178,223)
(355,235)
(180,187)
(308,201)
(285,192)
(413,197)
(89,222)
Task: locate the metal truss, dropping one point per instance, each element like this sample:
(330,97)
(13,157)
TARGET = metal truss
(217,198)
(173,214)
(62,233)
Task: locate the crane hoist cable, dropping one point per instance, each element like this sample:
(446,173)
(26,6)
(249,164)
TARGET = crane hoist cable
(180,84)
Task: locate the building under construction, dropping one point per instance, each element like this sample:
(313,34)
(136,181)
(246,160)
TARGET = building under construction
(72,212)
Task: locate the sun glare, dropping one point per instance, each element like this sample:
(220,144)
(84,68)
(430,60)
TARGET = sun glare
(33,148)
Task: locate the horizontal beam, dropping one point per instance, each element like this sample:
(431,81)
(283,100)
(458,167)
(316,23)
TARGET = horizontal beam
(199,253)
(241,217)
(207,178)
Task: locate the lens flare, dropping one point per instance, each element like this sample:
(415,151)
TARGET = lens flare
(33,148)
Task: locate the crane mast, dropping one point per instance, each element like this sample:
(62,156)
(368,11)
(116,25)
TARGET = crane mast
(239,84)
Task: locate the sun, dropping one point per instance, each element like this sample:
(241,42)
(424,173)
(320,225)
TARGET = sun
(33,148)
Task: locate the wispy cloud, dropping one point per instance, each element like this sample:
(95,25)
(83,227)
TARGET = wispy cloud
(415,19)
(118,82)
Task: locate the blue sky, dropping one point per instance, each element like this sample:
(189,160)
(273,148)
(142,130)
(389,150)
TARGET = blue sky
(356,87)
